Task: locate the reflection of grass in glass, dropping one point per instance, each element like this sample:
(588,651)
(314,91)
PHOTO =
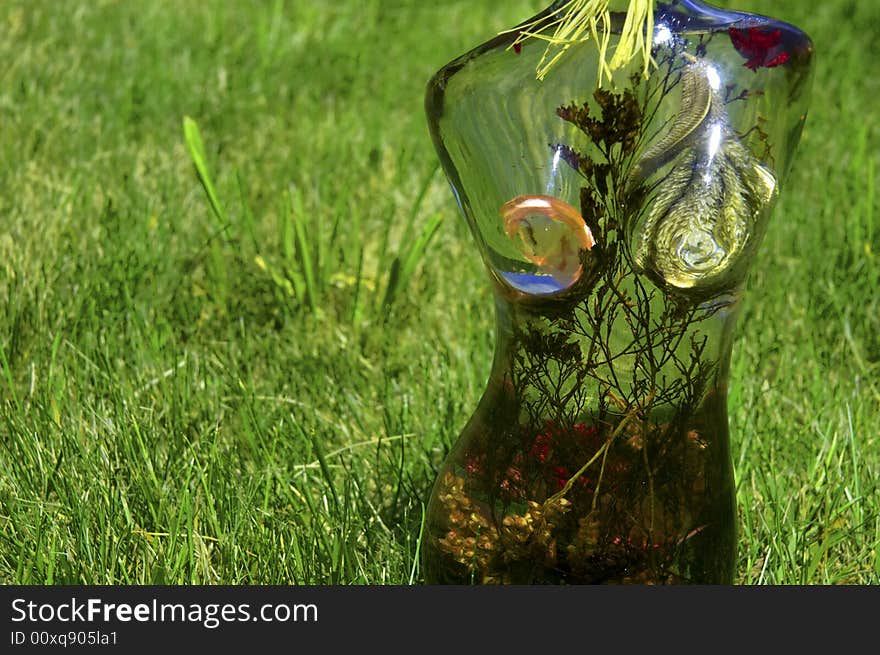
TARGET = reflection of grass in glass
(165,406)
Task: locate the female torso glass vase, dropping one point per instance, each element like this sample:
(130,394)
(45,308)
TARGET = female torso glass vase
(617,220)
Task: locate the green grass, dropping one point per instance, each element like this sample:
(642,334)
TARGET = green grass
(260,389)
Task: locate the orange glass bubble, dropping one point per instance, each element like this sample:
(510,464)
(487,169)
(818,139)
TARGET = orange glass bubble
(549,233)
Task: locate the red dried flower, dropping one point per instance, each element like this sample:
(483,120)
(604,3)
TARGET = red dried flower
(512,484)
(761,48)
(563,475)
(585,432)
(541,447)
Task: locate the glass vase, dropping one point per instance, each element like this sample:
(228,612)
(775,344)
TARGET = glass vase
(617,214)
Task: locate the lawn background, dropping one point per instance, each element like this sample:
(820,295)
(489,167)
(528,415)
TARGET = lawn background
(183,401)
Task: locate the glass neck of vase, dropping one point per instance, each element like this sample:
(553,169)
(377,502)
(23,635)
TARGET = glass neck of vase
(523,334)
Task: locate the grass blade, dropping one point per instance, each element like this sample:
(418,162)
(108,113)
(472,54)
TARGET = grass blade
(304,255)
(417,205)
(358,283)
(196,148)
(247,214)
(10,381)
(403,267)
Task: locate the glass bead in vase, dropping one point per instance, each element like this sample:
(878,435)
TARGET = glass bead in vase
(617,208)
